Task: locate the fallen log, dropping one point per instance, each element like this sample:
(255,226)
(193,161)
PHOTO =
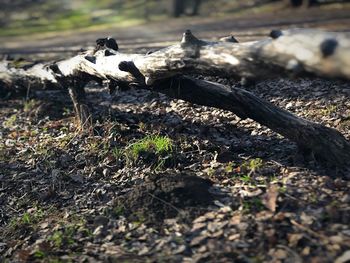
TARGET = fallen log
(317,141)
(295,52)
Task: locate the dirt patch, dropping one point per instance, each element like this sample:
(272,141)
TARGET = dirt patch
(166,196)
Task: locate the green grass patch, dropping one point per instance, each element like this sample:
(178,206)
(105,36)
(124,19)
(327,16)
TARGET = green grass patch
(157,144)
(63,238)
(152,150)
(10,121)
(28,219)
(66,235)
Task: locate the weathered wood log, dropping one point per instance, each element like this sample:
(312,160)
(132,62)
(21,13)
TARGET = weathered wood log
(293,52)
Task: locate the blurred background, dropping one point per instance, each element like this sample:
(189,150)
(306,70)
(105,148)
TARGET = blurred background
(61,26)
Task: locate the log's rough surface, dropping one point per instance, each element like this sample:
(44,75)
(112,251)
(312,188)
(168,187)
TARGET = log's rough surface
(291,52)
(294,52)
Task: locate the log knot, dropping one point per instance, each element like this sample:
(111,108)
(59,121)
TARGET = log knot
(176,64)
(328,47)
(91,59)
(55,69)
(129,66)
(275,33)
(109,53)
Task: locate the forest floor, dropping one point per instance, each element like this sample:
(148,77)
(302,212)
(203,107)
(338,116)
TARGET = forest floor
(161,180)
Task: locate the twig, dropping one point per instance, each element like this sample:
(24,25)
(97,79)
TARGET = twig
(17,211)
(311,232)
(297,258)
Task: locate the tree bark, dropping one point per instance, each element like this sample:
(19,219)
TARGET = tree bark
(294,52)
(325,144)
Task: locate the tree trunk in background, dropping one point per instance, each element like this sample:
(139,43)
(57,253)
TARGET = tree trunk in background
(177,8)
(146,11)
(196,6)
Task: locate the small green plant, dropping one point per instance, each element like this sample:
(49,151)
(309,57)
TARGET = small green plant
(26,219)
(29,105)
(253,165)
(254,203)
(245,178)
(118,210)
(67,111)
(57,238)
(211,172)
(329,110)
(9,122)
(63,238)
(117,153)
(272,178)
(38,254)
(282,189)
(246,170)
(230,167)
(139,218)
(93,146)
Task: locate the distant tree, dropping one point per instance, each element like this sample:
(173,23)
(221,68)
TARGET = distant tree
(179,7)
(195,7)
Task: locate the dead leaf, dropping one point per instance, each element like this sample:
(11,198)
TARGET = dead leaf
(345,257)
(45,246)
(235,220)
(293,239)
(305,251)
(23,255)
(270,198)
